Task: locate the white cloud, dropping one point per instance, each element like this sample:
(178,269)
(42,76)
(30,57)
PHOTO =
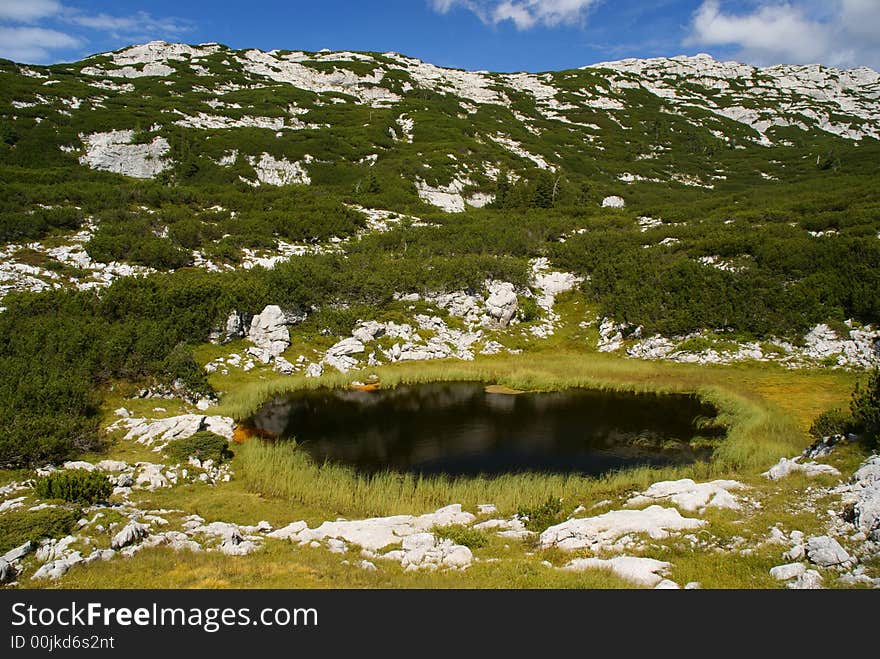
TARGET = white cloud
(26,11)
(33,44)
(140,22)
(836,32)
(30,30)
(524,14)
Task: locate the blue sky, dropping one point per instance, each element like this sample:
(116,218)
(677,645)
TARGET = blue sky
(499,35)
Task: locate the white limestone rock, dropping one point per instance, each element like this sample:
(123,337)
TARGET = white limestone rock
(8,572)
(809,580)
(269,331)
(605,531)
(113,152)
(280,171)
(691,496)
(825,551)
(613,202)
(377,533)
(78,465)
(646,572)
(787,466)
(788,572)
(129,535)
(501,304)
(112,466)
(289,532)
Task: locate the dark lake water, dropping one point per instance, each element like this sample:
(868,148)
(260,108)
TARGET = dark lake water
(459,429)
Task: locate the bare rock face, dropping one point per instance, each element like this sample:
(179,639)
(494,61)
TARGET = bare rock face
(113,152)
(269,331)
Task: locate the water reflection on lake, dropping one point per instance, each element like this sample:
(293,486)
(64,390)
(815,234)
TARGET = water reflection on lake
(458,429)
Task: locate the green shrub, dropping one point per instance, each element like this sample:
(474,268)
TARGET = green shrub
(77,485)
(19,526)
(865,408)
(527,310)
(832,422)
(542,517)
(202,445)
(462,535)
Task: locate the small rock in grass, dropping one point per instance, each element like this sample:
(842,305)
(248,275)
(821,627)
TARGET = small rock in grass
(786,572)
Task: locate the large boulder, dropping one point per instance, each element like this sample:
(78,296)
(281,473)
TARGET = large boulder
(825,551)
(501,304)
(269,331)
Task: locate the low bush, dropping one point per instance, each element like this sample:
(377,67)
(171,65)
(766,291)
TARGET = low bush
(462,535)
(865,408)
(76,485)
(19,526)
(541,517)
(202,445)
(832,422)
(528,310)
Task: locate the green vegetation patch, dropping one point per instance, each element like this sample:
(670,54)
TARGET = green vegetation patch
(20,526)
(75,486)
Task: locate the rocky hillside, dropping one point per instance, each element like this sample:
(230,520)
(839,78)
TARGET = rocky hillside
(286,117)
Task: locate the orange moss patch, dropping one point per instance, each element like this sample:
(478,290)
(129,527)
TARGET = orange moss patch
(243,433)
(371,386)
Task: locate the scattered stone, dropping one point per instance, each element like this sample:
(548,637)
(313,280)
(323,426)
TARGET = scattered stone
(613,202)
(667,584)
(809,580)
(787,572)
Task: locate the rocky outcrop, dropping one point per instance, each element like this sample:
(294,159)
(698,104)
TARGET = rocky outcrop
(113,152)
(158,432)
(129,535)
(613,202)
(501,304)
(691,496)
(268,331)
(787,466)
(613,530)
